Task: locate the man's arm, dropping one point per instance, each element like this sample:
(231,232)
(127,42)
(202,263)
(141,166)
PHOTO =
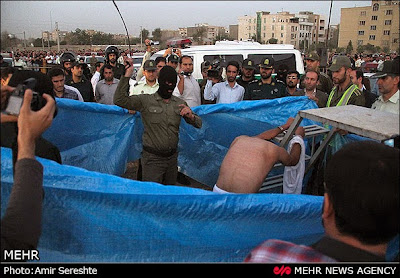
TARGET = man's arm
(121,96)
(190,117)
(181,84)
(292,158)
(271,133)
(21,224)
(210,91)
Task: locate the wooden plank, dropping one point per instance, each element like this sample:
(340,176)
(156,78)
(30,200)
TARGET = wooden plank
(362,121)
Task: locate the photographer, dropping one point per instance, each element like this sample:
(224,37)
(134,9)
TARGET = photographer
(187,88)
(224,92)
(9,127)
(21,224)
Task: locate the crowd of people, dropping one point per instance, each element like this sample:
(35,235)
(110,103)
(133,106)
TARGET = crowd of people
(165,92)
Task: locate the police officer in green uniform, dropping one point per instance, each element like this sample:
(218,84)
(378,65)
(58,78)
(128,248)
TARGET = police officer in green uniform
(161,114)
(345,92)
(267,87)
(247,73)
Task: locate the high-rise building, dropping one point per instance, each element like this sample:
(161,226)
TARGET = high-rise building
(377,25)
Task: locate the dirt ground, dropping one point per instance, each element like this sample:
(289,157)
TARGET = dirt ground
(131,173)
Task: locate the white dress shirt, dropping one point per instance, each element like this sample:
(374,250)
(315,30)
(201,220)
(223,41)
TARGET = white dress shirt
(223,92)
(191,91)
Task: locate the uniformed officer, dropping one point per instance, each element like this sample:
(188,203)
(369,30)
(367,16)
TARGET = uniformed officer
(112,54)
(161,115)
(312,63)
(150,84)
(267,87)
(345,92)
(247,73)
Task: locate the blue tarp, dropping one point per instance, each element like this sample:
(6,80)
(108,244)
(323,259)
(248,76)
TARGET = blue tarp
(92,215)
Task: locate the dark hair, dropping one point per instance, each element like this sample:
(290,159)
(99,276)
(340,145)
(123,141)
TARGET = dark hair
(183,57)
(105,66)
(233,63)
(293,71)
(362,182)
(318,74)
(98,64)
(6,71)
(56,71)
(43,82)
(160,59)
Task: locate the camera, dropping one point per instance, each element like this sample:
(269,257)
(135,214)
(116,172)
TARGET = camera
(186,73)
(215,70)
(14,102)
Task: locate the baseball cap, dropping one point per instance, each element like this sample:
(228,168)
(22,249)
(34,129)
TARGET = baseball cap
(313,56)
(248,64)
(267,63)
(150,65)
(389,68)
(173,58)
(340,61)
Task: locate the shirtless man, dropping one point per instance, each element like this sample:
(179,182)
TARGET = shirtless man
(249,160)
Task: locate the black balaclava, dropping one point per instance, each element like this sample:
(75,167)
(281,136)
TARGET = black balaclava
(167,75)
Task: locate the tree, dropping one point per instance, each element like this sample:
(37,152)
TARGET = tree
(273,41)
(349,47)
(157,34)
(144,34)
(199,35)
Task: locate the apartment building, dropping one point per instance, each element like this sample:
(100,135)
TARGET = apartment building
(377,24)
(300,29)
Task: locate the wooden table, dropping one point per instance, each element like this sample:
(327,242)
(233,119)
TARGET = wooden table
(359,120)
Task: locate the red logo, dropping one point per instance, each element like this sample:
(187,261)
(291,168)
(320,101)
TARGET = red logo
(282,270)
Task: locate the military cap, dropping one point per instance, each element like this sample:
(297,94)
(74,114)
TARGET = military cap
(340,61)
(248,64)
(173,58)
(390,68)
(313,56)
(267,63)
(150,65)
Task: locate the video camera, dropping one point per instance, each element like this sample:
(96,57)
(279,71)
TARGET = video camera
(14,102)
(215,70)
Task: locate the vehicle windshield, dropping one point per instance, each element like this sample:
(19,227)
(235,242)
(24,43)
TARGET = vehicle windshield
(137,60)
(280,59)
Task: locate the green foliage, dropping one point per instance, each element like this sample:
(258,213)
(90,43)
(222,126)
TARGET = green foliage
(273,41)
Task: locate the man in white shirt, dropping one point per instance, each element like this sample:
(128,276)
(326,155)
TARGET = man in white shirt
(226,92)
(388,84)
(96,76)
(187,87)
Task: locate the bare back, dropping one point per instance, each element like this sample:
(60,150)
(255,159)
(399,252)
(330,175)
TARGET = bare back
(247,163)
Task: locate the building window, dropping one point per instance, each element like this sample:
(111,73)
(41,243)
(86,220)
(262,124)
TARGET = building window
(282,27)
(371,37)
(272,27)
(373,27)
(389,12)
(281,35)
(386,32)
(388,22)
(363,13)
(374,17)
(362,22)
(360,33)
(396,40)
(273,35)
(385,43)
(375,7)
(263,35)
(360,42)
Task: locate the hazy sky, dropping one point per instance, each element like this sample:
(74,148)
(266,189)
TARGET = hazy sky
(36,16)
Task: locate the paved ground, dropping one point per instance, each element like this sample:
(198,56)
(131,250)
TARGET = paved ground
(131,173)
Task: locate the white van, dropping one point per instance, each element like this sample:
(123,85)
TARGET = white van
(226,51)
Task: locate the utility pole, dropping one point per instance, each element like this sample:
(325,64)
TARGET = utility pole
(42,42)
(141,38)
(58,38)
